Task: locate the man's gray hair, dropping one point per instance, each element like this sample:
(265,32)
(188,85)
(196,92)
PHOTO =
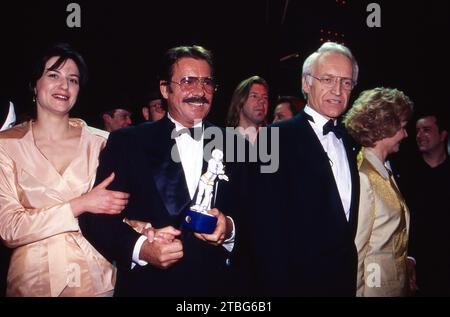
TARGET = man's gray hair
(325,48)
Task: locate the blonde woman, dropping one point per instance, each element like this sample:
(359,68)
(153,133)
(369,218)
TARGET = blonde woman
(377,121)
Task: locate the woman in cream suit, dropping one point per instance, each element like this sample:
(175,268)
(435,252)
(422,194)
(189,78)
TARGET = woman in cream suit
(47,170)
(377,121)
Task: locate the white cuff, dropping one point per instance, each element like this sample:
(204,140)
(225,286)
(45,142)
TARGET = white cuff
(136,251)
(228,244)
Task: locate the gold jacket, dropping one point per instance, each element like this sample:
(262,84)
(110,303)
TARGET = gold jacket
(50,256)
(382,234)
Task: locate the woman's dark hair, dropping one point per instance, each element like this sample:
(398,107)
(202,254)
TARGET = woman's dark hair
(64,52)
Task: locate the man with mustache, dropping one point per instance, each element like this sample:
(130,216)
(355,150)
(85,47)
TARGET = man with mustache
(162,177)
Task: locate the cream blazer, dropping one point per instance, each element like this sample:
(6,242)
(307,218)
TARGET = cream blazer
(382,234)
(50,256)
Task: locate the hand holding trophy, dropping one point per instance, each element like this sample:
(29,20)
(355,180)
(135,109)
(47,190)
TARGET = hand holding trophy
(197,217)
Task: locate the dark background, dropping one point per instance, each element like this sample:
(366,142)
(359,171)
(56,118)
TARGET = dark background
(123,42)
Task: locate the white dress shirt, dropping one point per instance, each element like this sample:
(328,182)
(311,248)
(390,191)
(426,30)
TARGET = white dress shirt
(337,156)
(191,155)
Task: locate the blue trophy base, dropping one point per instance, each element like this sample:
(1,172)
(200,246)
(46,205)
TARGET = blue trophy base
(199,222)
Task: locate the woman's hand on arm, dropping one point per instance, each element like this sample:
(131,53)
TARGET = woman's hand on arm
(100,200)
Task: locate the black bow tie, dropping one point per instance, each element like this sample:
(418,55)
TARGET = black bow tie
(337,129)
(195,133)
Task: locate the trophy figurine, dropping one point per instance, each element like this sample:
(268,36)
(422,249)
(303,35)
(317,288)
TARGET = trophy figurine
(197,217)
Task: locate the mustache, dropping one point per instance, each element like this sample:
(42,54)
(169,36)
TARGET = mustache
(196,99)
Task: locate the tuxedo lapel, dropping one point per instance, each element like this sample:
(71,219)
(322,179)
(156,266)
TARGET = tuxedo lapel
(318,158)
(167,173)
(311,146)
(352,149)
(315,152)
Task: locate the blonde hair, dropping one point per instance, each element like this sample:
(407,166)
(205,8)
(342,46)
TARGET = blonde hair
(377,114)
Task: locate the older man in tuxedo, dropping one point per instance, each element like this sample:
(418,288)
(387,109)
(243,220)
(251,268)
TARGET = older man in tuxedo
(161,170)
(304,220)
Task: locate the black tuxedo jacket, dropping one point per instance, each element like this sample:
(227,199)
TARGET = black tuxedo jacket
(299,238)
(141,159)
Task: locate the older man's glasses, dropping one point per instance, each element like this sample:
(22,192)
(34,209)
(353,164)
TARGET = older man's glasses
(189,83)
(330,81)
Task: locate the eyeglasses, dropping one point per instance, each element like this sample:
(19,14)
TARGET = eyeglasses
(330,81)
(188,83)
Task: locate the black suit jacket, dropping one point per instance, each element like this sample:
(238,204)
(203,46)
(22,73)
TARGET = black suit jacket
(141,159)
(300,240)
